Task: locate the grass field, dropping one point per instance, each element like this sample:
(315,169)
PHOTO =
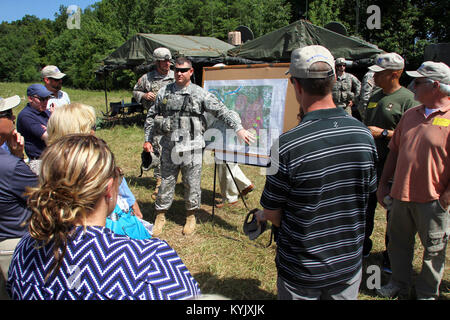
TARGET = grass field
(218,254)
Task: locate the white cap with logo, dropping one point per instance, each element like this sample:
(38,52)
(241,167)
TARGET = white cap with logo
(438,71)
(303,58)
(388,61)
(52,72)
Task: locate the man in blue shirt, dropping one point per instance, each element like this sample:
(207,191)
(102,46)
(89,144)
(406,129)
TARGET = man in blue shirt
(32,123)
(15,176)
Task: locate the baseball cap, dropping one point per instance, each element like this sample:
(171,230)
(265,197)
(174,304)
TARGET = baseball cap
(52,72)
(38,90)
(388,61)
(9,103)
(438,71)
(162,54)
(303,58)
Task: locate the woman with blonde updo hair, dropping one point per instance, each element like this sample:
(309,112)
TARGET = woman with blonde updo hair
(80,118)
(69,254)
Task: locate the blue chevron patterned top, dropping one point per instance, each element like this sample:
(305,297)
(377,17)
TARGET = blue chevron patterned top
(100,264)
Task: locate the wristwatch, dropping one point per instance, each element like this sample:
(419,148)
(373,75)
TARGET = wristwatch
(385,133)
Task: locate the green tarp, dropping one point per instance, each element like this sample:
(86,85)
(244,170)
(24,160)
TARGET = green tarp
(139,49)
(438,52)
(277,45)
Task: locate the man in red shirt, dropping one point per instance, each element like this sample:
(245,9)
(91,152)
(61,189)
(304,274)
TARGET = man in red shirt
(418,163)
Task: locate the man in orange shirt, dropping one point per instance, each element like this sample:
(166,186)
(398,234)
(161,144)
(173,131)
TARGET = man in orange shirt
(418,163)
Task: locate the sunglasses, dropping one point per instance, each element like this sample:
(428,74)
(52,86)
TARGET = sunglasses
(42,99)
(182,70)
(6,114)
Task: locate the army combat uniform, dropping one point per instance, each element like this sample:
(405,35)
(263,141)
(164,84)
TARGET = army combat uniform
(346,89)
(178,115)
(151,82)
(367,88)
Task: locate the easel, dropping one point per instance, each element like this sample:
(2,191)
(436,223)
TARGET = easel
(232,176)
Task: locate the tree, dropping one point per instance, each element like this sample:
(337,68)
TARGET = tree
(322,12)
(78,52)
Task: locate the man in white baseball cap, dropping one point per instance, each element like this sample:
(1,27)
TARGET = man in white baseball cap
(298,201)
(52,77)
(383,112)
(418,164)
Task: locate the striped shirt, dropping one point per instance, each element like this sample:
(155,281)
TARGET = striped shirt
(326,170)
(100,265)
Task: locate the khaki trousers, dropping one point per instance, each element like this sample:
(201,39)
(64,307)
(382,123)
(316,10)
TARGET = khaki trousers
(6,252)
(431,222)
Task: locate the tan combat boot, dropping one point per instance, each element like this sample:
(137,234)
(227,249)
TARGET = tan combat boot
(189,227)
(159,223)
(158,184)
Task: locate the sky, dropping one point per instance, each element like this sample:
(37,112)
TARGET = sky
(11,10)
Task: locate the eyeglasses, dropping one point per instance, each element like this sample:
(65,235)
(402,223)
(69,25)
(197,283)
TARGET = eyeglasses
(41,99)
(6,114)
(292,80)
(182,70)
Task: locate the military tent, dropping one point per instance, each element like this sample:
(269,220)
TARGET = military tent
(438,52)
(137,53)
(138,50)
(277,45)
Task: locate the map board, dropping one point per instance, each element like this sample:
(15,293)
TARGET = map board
(265,101)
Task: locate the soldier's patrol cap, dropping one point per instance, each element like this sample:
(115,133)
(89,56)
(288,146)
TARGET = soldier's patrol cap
(388,61)
(438,71)
(303,58)
(162,54)
(340,61)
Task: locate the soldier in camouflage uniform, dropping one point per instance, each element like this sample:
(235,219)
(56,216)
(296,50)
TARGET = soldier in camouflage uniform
(145,92)
(178,115)
(346,89)
(367,87)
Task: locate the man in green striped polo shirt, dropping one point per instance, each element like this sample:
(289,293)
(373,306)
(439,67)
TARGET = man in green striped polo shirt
(318,196)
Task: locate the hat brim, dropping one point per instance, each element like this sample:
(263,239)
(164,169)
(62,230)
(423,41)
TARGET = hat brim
(57,76)
(376,68)
(414,74)
(10,103)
